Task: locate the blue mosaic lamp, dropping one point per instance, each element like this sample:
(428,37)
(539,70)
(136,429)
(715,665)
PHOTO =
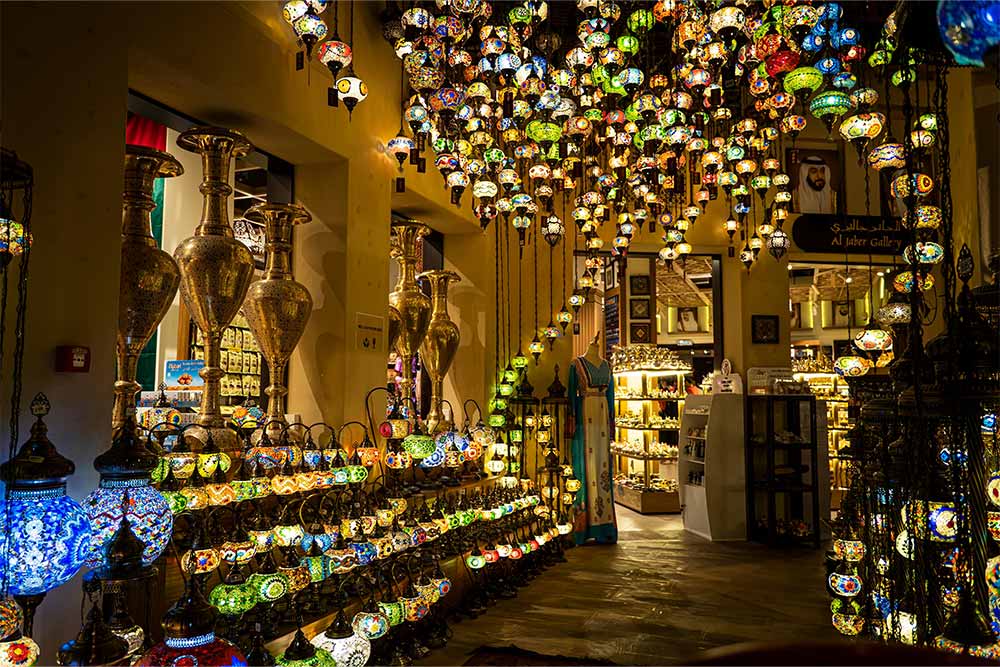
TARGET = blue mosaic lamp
(48,532)
(124,489)
(969,28)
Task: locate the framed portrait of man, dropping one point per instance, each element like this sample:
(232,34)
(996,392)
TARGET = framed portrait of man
(815,177)
(687,320)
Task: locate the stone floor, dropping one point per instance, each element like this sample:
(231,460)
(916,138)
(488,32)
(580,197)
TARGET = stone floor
(660,596)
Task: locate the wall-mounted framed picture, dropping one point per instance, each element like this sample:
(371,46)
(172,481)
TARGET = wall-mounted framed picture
(764,329)
(687,320)
(638,309)
(639,332)
(610,274)
(816,179)
(639,285)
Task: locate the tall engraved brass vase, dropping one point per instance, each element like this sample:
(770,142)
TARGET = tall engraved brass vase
(413,305)
(441,342)
(149,276)
(216,269)
(277,307)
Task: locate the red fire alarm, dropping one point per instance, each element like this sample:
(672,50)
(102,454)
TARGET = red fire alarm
(72,359)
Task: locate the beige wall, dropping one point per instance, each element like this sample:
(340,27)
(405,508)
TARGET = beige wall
(70,128)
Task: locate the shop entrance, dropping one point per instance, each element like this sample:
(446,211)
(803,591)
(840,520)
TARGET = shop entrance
(664,341)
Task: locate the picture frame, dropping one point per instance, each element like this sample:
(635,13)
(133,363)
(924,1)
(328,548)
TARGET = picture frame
(639,285)
(816,179)
(796,322)
(610,275)
(639,333)
(764,329)
(638,309)
(687,320)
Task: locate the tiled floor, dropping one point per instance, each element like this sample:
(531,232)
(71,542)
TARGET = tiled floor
(659,596)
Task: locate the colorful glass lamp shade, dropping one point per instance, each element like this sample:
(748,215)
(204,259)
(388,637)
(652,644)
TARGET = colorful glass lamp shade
(18,652)
(300,653)
(969,28)
(351,89)
(348,648)
(13,238)
(419,445)
(124,489)
(189,635)
(48,532)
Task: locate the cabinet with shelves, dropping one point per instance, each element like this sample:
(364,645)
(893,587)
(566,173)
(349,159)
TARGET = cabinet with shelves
(833,399)
(711,467)
(240,359)
(649,405)
(786,500)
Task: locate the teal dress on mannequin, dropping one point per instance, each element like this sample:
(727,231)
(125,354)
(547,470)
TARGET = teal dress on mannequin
(592,393)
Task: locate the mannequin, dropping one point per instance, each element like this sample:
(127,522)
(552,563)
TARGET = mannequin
(591,394)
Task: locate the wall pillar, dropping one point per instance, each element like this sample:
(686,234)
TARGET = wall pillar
(71,129)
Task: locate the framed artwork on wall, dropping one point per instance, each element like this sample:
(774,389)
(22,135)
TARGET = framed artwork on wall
(687,320)
(638,309)
(764,329)
(816,178)
(639,285)
(639,332)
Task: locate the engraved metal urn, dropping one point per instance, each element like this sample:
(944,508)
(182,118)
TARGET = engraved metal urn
(441,342)
(216,269)
(413,305)
(277,307)
(149,276)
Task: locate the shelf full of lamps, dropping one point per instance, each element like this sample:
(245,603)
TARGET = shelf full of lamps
(649,404)
(832,390)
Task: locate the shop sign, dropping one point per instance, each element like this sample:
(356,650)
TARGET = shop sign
(839,234)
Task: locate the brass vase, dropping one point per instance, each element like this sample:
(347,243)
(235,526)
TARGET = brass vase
(413,305)
(216,269)
(277,307)
(149,276)
(441,342)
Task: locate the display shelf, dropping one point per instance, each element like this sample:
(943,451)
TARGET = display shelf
(833,392)
(647,501)
(783,478)
(649,428)
(713,495)
(648,398)
(645,457)
(638,461)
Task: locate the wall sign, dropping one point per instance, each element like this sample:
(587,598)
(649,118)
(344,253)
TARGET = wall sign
(611,333)
(369,332)
(821,232)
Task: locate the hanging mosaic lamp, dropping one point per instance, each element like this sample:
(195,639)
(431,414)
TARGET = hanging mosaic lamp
(48,534)
(13,239)
(351,89)
(125,471)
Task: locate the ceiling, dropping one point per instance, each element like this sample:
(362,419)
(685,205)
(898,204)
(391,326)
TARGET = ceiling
(685,284)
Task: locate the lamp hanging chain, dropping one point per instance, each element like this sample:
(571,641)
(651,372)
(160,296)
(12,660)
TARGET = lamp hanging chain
(498,255)
(510,348)
(944,163)
(534,285)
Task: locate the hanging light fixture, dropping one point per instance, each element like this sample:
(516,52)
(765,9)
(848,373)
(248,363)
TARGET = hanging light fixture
(125,482)
(48,535)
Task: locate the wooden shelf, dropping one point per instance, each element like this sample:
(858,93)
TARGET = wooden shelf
(647,501)
(649,398)
(645,457)
(649,428)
